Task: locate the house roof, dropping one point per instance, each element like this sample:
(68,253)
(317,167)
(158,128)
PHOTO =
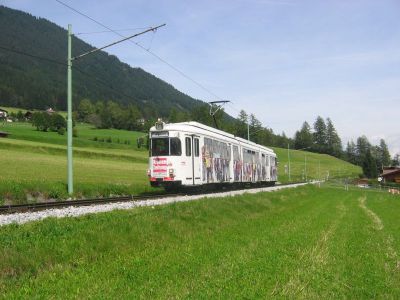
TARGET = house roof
(3,110)
(388,172)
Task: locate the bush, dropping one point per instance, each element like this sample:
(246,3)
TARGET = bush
(109,140)
(57,191)
(75,132)
(392,184)
(41,120)
(61,131)
(57,121)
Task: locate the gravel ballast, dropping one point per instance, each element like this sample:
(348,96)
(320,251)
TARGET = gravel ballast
(75,211)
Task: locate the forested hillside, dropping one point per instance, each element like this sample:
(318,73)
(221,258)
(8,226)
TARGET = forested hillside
(30,82)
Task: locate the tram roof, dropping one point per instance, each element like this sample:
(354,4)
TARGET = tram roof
(197,127)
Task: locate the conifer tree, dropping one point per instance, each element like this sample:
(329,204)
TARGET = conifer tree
(241,124)
(255,129)
(384,154)
(320,135)
(351,152)
(334,144)
(396,160)
(369,165)
(362,147)
(303,138)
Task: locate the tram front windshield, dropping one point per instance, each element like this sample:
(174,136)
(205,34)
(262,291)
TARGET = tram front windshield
(166,147)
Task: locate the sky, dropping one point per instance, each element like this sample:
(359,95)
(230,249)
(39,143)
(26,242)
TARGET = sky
(285,61)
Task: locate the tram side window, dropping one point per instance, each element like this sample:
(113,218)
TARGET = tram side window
(188,144)
(176,148)
(196,148)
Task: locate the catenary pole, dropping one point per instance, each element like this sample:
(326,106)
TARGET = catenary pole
(69,95)
(288,155)
(69,120)
(305,165)
(248,129)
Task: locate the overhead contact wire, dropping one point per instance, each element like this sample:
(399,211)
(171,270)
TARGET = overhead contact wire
(143,48)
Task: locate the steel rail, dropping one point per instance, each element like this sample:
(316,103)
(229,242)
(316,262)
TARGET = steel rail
(13,208)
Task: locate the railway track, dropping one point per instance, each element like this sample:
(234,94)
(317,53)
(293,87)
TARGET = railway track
(8,209)
(17,208)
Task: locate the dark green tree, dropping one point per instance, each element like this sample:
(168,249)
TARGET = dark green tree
(176,116)
(57,121)
(362,148)
(320,135)
(369,165)
(41,120)
(384,159)
(201,114)
(105,118)
(267,137)
(255,129)
(334,143)
(240,128)
(351,152)
(20,116)
(396,160)
(132,118)
(282,141)
(303,138)
(85,108)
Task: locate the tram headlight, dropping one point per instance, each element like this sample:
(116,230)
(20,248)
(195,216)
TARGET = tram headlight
(171,173)
(148,172)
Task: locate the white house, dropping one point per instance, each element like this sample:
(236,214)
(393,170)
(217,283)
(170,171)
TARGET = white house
(3,114)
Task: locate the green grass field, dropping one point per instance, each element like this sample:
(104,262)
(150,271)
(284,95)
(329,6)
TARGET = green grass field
(314,165)
(33,164)
(308,242)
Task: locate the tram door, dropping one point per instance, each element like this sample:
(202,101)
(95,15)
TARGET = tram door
(192,144)
(196,161)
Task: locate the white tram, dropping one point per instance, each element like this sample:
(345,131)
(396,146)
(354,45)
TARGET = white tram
(193,154)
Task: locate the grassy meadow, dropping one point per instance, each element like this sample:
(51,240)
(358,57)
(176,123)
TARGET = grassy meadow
(33,164)
(306,242)
(313,165)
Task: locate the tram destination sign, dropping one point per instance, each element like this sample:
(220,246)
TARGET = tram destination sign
(159,134)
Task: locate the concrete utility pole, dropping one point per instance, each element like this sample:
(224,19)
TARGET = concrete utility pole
(69,120)
(319,173)
(248,130)
(69,95)
(288,155)
(305,165)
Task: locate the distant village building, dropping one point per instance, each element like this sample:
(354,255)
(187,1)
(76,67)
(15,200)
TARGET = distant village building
(3,114)
(50,110)
(4,134)
(391,174)
(28,115)
(141,121)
